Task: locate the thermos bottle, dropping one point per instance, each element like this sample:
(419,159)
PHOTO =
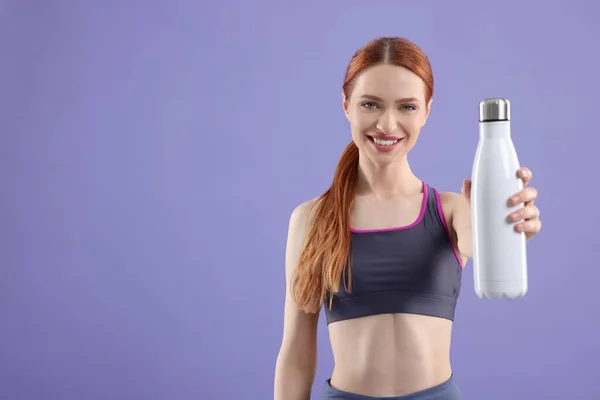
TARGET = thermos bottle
(499,251)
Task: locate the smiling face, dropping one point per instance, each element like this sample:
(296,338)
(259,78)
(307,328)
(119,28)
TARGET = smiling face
(386,110)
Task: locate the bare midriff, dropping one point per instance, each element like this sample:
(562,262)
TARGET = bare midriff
(390,354)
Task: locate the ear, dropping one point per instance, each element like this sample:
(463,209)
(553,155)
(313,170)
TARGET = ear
(345,105)
(427,111)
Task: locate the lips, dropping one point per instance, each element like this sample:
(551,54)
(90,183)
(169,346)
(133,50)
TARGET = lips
(384,137)
(386,143)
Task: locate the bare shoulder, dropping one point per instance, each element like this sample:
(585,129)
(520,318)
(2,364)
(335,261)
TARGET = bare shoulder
(299,225)
(456,210)
(450,201)
(300,219)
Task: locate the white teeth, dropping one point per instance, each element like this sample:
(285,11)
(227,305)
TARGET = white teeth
(384,142)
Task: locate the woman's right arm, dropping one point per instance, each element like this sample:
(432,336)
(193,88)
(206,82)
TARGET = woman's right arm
(297,360)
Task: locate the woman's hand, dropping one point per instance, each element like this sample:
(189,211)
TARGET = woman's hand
(527,218)
(529,215)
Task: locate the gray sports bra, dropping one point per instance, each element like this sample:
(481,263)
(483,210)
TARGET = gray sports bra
(410,269)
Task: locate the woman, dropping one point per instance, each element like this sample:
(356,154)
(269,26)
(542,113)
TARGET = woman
(389,298)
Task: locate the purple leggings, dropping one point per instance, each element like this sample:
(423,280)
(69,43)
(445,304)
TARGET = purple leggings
(445,391)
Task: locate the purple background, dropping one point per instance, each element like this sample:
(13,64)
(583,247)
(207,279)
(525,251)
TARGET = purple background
(151,154)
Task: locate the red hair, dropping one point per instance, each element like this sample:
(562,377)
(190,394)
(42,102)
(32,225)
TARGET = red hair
(325,256)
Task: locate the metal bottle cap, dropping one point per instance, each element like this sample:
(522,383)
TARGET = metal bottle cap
(494,109)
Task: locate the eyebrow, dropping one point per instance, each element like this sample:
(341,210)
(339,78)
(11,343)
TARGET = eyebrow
(402,100)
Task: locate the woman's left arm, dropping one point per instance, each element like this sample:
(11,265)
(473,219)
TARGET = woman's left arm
(528,215)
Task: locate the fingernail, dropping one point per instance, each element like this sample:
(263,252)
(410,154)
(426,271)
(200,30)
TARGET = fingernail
(516,217)
(514,199)
(524,173)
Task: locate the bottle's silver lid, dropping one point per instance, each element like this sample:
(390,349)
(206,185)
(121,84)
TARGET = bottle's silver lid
(494,109)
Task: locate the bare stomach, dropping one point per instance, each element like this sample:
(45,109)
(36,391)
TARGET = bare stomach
(390,354)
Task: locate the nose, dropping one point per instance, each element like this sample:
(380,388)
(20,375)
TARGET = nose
(387,122)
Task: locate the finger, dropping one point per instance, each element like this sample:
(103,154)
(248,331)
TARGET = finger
(525,175)
(466,188)
(526,213)
(530,227)
(527,196)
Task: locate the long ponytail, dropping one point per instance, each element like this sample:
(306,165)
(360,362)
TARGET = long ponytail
(327,245)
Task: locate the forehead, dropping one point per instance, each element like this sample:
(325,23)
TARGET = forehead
(389,82)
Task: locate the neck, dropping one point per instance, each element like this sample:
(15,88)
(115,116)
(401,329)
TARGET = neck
(386,180)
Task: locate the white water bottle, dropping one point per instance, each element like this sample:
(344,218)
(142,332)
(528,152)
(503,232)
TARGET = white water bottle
(499,251)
